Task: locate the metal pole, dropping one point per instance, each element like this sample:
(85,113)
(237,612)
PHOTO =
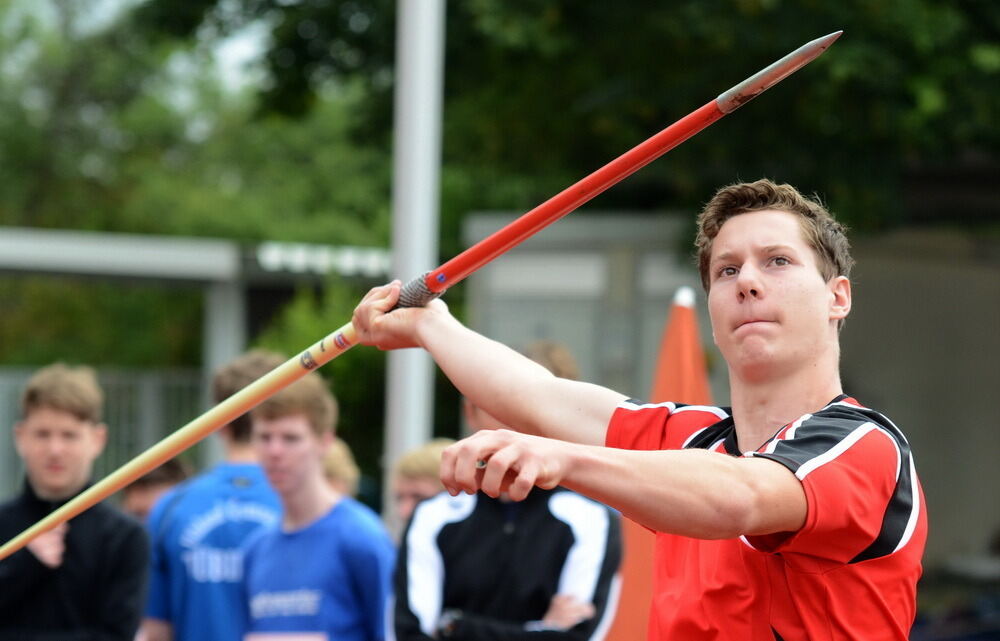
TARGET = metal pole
(415,198)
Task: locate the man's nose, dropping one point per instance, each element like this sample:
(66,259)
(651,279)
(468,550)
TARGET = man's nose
(269,448)
(748,283)
(56,446)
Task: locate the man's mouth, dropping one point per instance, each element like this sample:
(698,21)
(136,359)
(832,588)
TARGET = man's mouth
(752,322)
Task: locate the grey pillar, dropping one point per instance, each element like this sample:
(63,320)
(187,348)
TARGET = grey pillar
(224,339)
(415,192)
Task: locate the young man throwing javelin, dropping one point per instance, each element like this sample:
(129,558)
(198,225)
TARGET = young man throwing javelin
(794,515)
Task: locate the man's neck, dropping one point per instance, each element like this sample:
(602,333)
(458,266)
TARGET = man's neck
(239,453)
(761,408)
(55,497)
(307,504)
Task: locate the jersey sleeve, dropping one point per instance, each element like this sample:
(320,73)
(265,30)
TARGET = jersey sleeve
(664,426)
(849,470)
(638,426)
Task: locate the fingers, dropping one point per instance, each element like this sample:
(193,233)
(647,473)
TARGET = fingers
(374,325)
(50,546)
(566,611)
(495,462)
(386,296)
(377,301)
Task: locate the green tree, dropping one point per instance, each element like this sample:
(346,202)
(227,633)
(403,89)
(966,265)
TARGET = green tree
(541,92)
(108,130)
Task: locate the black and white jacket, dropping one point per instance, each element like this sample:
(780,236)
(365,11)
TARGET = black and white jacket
(472,567)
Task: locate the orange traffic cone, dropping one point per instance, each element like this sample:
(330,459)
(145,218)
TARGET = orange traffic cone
(680,376)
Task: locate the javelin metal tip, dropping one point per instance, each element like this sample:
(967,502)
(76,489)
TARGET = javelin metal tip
(763,80)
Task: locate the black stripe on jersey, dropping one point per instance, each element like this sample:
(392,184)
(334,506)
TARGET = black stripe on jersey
(723,429)
(901,505)
(897,514)
(814,437)
(823,431)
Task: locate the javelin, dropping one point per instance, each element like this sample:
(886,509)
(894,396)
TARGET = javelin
(423,289)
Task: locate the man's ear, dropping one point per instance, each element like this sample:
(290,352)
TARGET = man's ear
(18,432)
(325,441)
(99,436)
(840,298)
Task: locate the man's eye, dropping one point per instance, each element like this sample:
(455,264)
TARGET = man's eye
(781,261)
(726,271)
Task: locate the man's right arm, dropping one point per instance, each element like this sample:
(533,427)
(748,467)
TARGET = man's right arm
(509,386)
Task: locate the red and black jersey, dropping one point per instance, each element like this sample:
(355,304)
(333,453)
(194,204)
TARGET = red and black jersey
(849,573)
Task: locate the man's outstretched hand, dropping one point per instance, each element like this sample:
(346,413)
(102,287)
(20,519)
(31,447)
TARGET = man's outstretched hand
(378,324)
(504,462)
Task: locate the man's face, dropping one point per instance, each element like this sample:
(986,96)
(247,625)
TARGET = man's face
(408,491)
(771,310)
(58,450)
(139,501)
(290,452)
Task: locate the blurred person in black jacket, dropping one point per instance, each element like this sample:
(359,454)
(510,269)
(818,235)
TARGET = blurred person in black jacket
(476,568)
(85,579)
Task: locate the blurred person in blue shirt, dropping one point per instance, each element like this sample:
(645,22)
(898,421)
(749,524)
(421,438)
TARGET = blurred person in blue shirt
(325,572)
(199,527)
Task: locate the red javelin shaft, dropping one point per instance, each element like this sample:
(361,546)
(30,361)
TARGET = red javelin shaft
(570,198)
(434,283)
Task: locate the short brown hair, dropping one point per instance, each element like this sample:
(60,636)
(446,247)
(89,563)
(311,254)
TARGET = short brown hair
(822,232)
(237,374)
(422,462)
(339,465)
(554,357)
(309,395)
(70,389)
(171,472)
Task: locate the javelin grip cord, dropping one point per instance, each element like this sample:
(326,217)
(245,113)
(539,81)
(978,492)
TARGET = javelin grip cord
(415,293)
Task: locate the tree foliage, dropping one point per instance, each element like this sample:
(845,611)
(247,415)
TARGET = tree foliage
(106,129)
(541,92)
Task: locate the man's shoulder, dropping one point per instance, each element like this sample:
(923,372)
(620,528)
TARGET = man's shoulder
(13,517)
(114,530)
(845,416)
(242,483)
(844,431)
(115,520)
(671,408)
(640,425)
(356,520)
(10,504)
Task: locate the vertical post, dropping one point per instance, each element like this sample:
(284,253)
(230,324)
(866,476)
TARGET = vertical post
(224,338)
(415,192)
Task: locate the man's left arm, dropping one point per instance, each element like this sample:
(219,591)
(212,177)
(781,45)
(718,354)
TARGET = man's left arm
(694,493)
(124,595)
